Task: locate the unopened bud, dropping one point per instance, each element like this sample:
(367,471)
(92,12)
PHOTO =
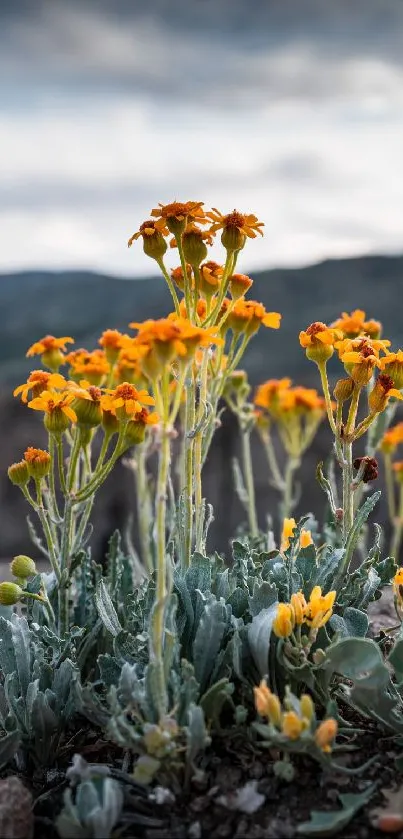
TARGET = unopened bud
(343,389)
(23,567)
(10,594)
(18,473)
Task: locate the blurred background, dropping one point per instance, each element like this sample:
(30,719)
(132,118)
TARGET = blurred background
(291,109)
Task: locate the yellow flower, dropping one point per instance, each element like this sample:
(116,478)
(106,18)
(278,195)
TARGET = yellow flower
(136,427)
(92,366)
(355,324)
(299,605)
(307,707)
(397,584)
(381,392)
(112,341)
(267,703)
(319,608)
(325,734)
(268,393)
(318,340)
(283,623)
(360,356)
(57,408)
(38,381)
(392,365)
(178,276)
(287,533)
(51,350)
(236,228)
(125,400)
(305,539)
(292,725)
(238,285)
(87,404)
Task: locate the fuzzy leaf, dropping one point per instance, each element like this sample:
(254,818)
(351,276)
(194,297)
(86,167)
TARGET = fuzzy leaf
(353,623)
(358,659)
(325,823)
(196,733)
(198,575)
(238,602)
(259,633)
(106,609)
(210,633)
(264,595)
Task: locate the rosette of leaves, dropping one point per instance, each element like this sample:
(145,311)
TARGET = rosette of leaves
(37,696)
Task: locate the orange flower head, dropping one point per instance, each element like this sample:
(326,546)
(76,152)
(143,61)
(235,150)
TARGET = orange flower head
(92,366)
(51,350)
(248,315)
(300,401)
(111,341)
(305,539)
(57,409)
(154,244)
(392,364)
(355,324)
(267,703)
(398,470)
(287,533)
(238,285)
(136,427)
(177,215)
(125,400)
(267,394)
(201,309)
(87,404)
(18,473)
(236,228)
(318,340)
(171,338)
(128,367)
(381,392)
(397,585)
(178,277)
(320,607)
(392,438)
(299,606)
(292,726)
(37,382)
(38,462)
(360,356)
(210,278)
(325,734)
(194,244)
(284,621)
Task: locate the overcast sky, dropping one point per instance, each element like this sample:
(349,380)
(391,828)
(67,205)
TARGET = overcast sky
(292,109)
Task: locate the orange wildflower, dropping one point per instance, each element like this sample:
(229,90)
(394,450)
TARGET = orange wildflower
(354,324)
(57,409)
(92,366)
(380,394)
(360,356)
(318,340)
(178,277)
(125,400)
(154,244)
(210,275)
(236,227)
(248,315)
(177,215)
(111,341)
(238,285)
(267,394)
(325,734)
(38,381)
(49,342)
(398,470)
(392,438)
(38,462)
(392,364)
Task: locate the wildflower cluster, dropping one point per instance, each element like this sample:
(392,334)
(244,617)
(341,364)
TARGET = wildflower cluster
(299,620)
(294,719)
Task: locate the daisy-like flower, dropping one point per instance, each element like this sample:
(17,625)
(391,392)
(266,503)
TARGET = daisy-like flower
(318,341)
(381,392)
(87,404)
(178,277)
(177,215)
(238,285)
(360,356)
(354,324)
(112,342)
(284,621)
(236,228)
(57,409)
(210,277)
(125,400)
(38,381)
(136,427)
(392,365)
(392,438)
(194,245)
(92,366)
(287,533)
(248,315)
(301,400)
(170,338)
(154,244)
(51,350)
(267,394)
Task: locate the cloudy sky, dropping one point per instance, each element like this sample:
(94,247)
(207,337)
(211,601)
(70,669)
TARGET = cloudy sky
(292,109)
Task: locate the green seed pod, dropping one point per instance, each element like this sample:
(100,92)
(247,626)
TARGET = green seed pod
(23,566)
(10,594)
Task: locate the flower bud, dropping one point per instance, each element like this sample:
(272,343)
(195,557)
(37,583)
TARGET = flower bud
(88,411)
(239,285)
(343,390)
(18,473)
(23,567)
(10,594)
(56,422)
(292,725)
(135,432)
(283,623)
(325,734)
(53,359)
(307,707)
(194,249)
(38,462)
(298,604)
(232,238)
(154,245)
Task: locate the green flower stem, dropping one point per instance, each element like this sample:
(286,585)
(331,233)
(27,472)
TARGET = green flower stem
(188,299)
(398,528)
(249,483)
(161,593)
(144,508)
(238,355)
(41,513)
(187,478)
(292,465)
(65,551)
(98,478)
(267,441)
(198,444)
(347,464)
(60,461)
(74,456)
(170,284)
(326,393)
(178,394)
(228,270)
(390,489)
(82,526)
(52,487)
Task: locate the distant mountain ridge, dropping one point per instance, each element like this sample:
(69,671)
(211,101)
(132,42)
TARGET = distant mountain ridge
(83,304)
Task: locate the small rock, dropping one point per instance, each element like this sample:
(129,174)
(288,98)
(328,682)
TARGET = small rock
(195,831)
(16,818)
